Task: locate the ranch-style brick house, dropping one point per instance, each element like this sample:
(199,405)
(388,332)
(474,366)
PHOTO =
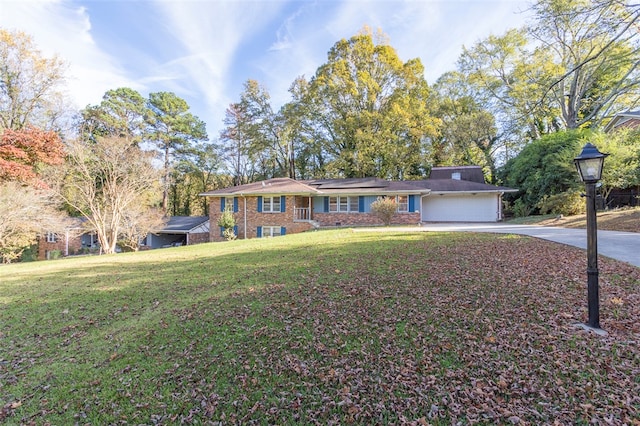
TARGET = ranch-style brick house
(282,206)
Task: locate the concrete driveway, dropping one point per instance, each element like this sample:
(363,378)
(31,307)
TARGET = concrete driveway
(624,246)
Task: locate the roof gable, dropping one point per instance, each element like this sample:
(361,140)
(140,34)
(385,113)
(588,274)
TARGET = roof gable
(622,120)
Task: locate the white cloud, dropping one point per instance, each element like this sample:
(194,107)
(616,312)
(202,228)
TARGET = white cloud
(61,28)
(204,50)
(212,34)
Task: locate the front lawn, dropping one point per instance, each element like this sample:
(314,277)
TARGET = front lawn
(328,327)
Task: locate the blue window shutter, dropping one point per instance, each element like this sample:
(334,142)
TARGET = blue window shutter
(259,231)
(222,200)
(283,202)
(412,203)
(235,230)
(222,231)
(326,204)
(235,204)
(283,231)
(260,204)
(361,204)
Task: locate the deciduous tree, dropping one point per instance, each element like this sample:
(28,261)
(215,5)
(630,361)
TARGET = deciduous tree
(30,84)
(369,110)
(24,151)
(107,182)
(468,134)
(25,213)
(574,64)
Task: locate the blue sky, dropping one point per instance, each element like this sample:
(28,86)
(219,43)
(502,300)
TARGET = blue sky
(205,50)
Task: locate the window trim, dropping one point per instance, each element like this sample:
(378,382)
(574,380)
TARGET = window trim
(336,201)
(271,204)
(404,203)
(271,232)
(51,237)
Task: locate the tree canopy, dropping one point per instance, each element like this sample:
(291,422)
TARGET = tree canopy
(573,66)
(29,84)
(368,111)
(108,182)
(23,152)
(545,167)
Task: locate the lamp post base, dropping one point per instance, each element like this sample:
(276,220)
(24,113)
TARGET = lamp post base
(587,327)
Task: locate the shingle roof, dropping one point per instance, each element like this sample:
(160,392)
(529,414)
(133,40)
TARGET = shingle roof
(179,224)
(455,185)
(359,183)
(361,186)
(270,186)
(372,186)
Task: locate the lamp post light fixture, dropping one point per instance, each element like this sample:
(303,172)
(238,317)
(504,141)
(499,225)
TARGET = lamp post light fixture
(589,165)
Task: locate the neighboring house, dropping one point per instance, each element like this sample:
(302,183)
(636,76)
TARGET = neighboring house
(283,205)
(74,240)
(623,120)
(179,231)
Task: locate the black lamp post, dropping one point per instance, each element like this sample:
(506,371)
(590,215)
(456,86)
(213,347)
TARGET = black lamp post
(589,164)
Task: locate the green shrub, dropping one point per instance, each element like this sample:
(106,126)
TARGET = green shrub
(29,254)
(227,221)
(566,203)
(520,209)
(384,209)
(228,234)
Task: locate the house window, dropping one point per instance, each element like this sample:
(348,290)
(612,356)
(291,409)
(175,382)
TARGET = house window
(402,201)
(271,231)
(353,204)
(343,204)
(271,204)
(228,203)
(51,237)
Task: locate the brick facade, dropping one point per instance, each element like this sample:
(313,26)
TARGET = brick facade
(45,248)
(286,219)
(363,219)
(198,238)
(255,218)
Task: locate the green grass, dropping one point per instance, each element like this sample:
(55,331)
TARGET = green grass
(330,327)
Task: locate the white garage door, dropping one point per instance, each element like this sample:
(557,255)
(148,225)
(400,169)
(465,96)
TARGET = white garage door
(460,208)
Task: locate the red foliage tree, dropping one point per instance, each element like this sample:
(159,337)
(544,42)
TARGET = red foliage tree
(23,151)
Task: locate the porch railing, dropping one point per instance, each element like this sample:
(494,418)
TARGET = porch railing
(301,214)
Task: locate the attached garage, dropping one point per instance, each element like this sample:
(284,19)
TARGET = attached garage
(459,194)
(457,207)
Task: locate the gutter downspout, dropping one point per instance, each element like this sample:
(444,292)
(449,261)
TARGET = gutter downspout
(421,197)
(244,199)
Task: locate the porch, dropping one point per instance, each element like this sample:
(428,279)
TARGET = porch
(302,209)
